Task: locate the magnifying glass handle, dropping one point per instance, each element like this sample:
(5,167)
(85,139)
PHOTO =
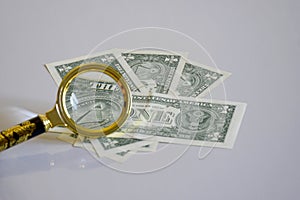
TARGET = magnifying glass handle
(24,131)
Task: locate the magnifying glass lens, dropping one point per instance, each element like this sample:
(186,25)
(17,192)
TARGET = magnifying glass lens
(94,100)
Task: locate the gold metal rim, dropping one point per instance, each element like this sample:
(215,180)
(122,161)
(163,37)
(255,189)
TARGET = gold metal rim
(65,84)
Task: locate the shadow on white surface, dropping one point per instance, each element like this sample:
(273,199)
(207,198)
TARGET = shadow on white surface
(42,153)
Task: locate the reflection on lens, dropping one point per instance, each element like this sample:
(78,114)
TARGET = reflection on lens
(94,100)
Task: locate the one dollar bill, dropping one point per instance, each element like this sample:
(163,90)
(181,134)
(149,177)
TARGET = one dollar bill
(197,80)
(185,120)
(59,69)
(118,149)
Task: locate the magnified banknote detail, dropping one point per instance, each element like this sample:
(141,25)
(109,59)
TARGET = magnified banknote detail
(96,104)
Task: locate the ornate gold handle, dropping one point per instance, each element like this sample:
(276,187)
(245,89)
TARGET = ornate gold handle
(24,131)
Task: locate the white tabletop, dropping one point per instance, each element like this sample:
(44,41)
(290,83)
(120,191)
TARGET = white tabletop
(258,41)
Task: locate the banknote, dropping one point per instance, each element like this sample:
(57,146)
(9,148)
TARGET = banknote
(197,80)
(118,149)
(185,120)
(119,154)
(182,120)
(70,137)
(59,69)
(156,70)
(105,145)
(151,147)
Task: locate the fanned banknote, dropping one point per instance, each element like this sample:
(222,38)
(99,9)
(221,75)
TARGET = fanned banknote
(196,80)
(119,154)
(157,70)
(59,69)
(118,149)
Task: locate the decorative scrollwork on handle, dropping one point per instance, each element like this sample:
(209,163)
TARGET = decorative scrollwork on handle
(23,131)
(16,134)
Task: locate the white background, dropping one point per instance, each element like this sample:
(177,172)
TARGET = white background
(258,41)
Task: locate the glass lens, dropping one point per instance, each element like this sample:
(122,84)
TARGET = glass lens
(94,100)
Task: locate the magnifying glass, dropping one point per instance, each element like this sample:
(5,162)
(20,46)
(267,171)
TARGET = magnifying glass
(93,100)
